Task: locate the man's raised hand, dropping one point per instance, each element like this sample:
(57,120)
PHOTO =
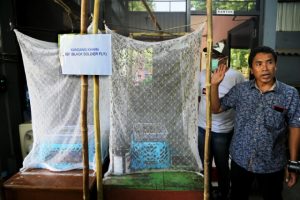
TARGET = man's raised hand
(218,74)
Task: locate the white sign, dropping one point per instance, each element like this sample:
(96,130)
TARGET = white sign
(85,54)
(225,12)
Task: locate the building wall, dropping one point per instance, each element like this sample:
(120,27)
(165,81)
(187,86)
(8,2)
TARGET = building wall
(221,26)
(10,98)
(170,22)
(288,48)
(288,69)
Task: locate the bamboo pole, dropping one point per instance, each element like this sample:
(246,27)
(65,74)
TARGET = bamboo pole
(83,109)
(97,113)
(207,163)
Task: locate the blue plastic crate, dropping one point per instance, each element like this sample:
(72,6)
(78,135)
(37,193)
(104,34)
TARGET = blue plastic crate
(73,154)
(149,155)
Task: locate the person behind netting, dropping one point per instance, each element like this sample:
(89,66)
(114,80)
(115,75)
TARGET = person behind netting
(222,124)
(267,127)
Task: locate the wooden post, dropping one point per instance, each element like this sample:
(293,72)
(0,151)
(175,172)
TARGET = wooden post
(207,163)
(153,18)
(83,110)
(97,113)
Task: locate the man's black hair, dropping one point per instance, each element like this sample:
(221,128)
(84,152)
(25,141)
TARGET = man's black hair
(261,49)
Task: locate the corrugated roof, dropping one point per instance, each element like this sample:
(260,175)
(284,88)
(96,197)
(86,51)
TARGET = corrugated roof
(288,52)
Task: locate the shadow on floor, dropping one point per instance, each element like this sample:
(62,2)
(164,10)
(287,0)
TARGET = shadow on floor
(287,193)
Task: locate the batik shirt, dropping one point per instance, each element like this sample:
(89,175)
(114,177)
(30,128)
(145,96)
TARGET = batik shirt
(259,143)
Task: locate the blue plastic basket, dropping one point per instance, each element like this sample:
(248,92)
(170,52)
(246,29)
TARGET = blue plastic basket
(149,155)
(149,147)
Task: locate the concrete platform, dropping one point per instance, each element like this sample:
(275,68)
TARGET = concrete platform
(154,186)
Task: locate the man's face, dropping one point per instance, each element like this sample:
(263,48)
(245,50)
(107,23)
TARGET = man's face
(263,68)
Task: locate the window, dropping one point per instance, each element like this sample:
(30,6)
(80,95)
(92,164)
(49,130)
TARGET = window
(199,6)
(159,5)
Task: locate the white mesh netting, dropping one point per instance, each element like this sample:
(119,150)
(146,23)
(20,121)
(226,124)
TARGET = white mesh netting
(154,104)
(148,106)
(55,108)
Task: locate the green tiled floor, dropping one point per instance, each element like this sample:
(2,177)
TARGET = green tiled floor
(157,181)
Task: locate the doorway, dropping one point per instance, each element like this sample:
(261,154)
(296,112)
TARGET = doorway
(240,40)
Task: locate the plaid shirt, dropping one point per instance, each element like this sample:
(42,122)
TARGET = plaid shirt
(259,143)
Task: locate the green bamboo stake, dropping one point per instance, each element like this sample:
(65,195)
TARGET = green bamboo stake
(83,110)
(208,103)
(97,113)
